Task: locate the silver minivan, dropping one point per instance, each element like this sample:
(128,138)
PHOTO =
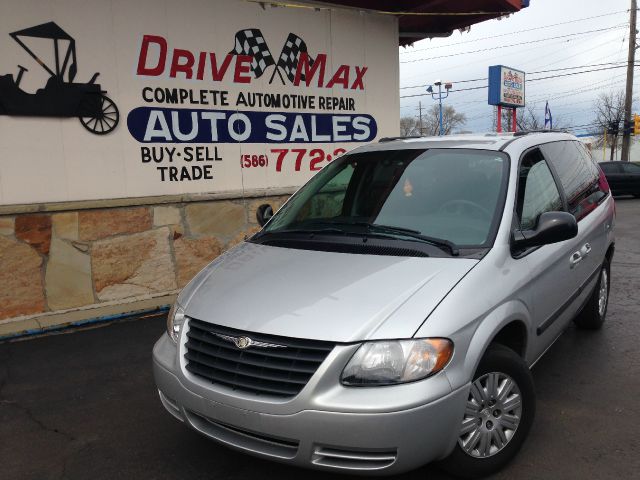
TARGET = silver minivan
(388,315)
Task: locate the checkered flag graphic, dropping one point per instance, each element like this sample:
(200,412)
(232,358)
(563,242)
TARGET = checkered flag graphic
(251,42)
(290,56)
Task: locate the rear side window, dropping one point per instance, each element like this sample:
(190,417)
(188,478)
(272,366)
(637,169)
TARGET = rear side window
(578,175)
(537,191)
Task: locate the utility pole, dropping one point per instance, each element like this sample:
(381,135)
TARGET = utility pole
(420,121)
(628,98)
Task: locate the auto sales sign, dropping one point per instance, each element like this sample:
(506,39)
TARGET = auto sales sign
(204,96)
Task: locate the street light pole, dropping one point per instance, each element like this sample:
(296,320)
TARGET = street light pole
(440,101)
(440,97)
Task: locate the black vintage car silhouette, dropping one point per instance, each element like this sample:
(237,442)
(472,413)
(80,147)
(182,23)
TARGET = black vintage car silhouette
(60,97)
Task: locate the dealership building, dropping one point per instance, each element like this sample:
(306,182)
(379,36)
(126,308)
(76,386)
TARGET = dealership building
(138,137)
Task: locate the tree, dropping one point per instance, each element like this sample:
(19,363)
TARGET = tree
(609,111)
(451,119)
(409,127)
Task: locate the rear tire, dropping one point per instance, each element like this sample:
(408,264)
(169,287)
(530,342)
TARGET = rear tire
(503,419)
(594,312)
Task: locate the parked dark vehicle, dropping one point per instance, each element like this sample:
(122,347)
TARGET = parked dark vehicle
(623,177)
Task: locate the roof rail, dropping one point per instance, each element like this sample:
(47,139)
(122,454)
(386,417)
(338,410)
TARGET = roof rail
(526,132)
(391,139)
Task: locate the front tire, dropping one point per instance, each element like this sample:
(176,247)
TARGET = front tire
(498,416)
(595,311)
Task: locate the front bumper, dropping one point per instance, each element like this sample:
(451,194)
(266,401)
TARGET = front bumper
(381,442)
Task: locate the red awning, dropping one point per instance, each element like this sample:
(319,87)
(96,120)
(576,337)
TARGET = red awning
(420,19)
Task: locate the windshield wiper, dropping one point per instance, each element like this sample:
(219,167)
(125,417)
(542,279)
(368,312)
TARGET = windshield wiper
(438,242)
(307,230)
(371,228)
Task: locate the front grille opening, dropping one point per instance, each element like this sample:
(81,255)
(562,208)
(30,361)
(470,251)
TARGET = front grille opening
(247,439)
(278,372)
(349,459)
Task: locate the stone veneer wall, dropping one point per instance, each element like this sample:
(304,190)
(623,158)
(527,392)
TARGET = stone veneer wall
(72,259)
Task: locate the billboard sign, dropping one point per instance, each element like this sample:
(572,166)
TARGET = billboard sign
(506,86)
(138,99)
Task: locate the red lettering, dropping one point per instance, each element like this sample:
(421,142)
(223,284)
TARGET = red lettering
(202,60)
(358,82)
(143,69)
(243,65)
(185,67)
(310,71)
(341,77)
(218,73)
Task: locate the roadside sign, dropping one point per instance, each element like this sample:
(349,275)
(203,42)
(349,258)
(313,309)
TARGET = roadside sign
(506,86)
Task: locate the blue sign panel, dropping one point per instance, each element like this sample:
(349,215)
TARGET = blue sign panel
(178,125)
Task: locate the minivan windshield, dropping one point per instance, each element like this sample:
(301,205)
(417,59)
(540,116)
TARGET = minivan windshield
(449,197)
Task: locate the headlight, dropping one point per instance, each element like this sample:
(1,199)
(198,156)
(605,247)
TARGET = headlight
(396,361)
(175,319)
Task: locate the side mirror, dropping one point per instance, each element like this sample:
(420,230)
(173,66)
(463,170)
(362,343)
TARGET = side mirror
(264,214)
(552,227)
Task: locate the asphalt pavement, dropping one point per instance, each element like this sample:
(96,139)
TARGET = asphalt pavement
(82,404)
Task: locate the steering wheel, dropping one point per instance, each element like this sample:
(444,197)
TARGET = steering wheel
(459,207)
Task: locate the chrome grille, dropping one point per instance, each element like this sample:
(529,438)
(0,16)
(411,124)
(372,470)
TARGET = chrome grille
(281,371)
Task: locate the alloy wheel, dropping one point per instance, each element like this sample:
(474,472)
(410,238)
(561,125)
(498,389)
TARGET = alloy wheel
(492,415)
(603,294)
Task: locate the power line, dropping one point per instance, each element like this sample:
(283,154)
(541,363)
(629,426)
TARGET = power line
(501,55)
(543,61)
(529,73)
(457,90)
(577,73)
(514,44)
(515,32)
(589,49)
(458,81)
(576,67)
(530,80)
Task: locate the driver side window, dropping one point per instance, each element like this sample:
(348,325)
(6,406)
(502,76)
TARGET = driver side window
(537,190)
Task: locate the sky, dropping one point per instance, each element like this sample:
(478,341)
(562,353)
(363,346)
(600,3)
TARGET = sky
(601,40)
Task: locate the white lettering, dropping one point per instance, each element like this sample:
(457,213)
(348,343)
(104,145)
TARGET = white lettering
(213,118)
(273,122)
(339,128)
(175,121)
(239,136)
(156,116)
(299,131)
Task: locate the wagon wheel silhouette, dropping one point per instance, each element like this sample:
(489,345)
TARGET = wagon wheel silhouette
(105,121)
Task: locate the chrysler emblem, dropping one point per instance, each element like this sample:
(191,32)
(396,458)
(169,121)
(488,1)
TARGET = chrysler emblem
(246,342)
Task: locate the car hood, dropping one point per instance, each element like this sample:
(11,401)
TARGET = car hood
(338,297)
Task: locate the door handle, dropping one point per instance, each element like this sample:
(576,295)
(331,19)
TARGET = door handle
(575,259)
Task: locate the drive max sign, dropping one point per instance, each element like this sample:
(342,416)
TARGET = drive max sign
(250,58)
(244,114)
